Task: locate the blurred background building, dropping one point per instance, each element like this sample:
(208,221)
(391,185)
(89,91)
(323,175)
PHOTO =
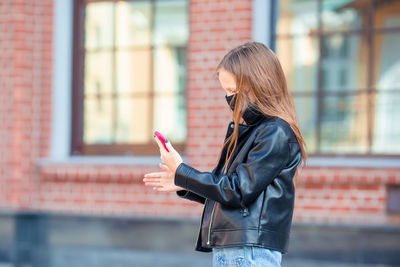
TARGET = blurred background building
(84,83)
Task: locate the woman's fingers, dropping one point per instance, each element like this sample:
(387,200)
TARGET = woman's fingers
(155,174)
(160,189)
(157,185)
(158,181)
(160,145)
(152,174)
(152,184)
(164,167)
(152,179)
(161,181)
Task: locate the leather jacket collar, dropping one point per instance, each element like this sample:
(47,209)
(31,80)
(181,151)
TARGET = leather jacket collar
(252,117)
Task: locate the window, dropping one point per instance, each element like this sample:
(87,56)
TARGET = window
(393,199)
(342,66)
(129,75)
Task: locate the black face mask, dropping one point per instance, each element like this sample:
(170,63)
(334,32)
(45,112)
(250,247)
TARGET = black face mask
(250,114)
(229,99)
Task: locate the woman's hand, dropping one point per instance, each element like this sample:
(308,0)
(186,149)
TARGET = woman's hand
(172,158)
(162,181)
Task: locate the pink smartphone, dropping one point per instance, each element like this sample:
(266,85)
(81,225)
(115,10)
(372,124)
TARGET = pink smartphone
(161,138)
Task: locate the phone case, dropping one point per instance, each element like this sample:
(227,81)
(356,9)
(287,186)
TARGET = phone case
(161,138)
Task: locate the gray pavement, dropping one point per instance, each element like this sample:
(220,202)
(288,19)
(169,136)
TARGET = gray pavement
(61,241)
(132,258)
(88,257)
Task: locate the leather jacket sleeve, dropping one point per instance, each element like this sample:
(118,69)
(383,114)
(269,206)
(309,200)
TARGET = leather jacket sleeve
(265,160)
(192,196)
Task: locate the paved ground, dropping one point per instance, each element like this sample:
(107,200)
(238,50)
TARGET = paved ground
(67,241)
(68,257)
(124,258)
(310,263)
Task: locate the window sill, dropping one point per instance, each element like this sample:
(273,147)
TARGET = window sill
(108,169)
(100,160)
(362,162)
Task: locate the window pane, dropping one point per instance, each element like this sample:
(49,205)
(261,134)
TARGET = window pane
(306,108)
(133,23)
(387,14)
(133,120)
(97,120)
(297,17)
(344,124)
(169,69)
(299,59)
(387,72)
(170,117)
(386,133)
(342,15)
(386,130)
(170,23)
(133,71)
(98,25)
(98,73)
(343,62)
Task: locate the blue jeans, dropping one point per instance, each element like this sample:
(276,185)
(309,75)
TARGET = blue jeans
(246,256)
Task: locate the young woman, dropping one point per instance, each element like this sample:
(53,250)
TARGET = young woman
(249,197)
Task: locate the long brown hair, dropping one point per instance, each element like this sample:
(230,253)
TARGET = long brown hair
(256,69)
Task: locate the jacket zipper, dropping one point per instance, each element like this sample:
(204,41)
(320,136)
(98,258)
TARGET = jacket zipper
(209,227)
(245,211)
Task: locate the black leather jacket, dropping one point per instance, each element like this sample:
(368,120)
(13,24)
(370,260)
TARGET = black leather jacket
(252,204)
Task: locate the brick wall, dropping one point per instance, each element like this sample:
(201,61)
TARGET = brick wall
(215,27)
(25,94)
(342,195)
